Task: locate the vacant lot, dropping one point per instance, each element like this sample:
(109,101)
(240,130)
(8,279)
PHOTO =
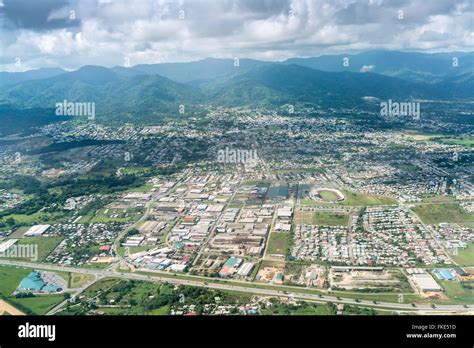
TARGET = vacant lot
(456,292)
(465,257)
(331,219)
(279,242)
(45,245)
(77,280)
(10,278)
(445,212)
(359,199)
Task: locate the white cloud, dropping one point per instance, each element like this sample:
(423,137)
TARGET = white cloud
(150,31)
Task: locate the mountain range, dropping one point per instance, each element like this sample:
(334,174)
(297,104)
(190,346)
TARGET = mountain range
(148,91)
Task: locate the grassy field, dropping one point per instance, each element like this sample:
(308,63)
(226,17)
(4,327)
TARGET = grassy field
(354,199)
(11,278)
(456,293)
(278,243)
(133,249)
(465,257)
(161,311)
(45,245)
(36,218)
(144,188)
(39,305)
(439,199)
(444,212)
(328,195)
(464,141)
(467,141)
(76,280)
(359,199)
(331,219)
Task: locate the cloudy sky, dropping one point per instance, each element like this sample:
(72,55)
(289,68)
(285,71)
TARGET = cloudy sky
(73,33)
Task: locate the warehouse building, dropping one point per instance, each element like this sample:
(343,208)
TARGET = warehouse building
(36,230)
(245,269)
(425,282)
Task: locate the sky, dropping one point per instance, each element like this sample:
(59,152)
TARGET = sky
(74,33)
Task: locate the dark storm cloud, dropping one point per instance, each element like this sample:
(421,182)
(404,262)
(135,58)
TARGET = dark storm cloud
(35,15)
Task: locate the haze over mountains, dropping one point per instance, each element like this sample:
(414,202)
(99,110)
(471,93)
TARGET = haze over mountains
(158,89)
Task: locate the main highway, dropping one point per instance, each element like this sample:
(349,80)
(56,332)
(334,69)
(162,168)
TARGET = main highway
(210,283)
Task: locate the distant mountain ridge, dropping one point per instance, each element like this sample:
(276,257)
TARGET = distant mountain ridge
(11,78)
(112,93)
(412,66)
(146,91)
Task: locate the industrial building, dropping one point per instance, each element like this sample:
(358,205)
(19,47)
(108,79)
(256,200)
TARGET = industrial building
(36,230)
(245,269)
(34,282)
(230,266)
(425,282)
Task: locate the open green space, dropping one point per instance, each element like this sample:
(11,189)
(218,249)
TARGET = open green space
(45,245)
(354,199)
(76,280)
(278,243)
(40,304)
(33,219)
(360,199)
(143,188)
(443,212)
(457,293)
(328,195)
(466,141)
(331,219)
(465,257)
(439,199)
(11,278)
(135,249)
(161,310)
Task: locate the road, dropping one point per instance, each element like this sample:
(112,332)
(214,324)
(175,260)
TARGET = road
(135,225)
(424,308)
(431,234)
(214,227)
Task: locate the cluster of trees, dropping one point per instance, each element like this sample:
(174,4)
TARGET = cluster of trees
(143,297)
